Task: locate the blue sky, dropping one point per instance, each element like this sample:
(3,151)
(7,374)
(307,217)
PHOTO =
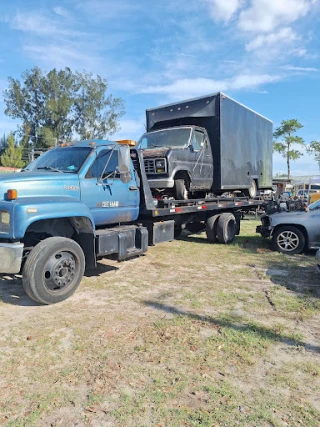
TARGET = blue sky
(263,53)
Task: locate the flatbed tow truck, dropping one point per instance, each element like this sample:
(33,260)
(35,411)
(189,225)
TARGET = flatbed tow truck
(82,201)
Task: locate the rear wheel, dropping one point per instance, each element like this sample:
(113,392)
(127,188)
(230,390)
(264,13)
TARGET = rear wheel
(288,240)
(211,228)
(252,191)
(53,270)
(226,228)
(181,189)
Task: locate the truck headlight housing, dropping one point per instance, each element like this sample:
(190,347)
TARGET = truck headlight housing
(161,165)
(4,222)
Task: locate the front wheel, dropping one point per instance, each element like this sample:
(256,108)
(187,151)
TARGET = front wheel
(288,240)
(181,189)
(53,270)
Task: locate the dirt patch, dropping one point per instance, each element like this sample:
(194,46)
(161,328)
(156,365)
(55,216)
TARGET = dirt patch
(190,334)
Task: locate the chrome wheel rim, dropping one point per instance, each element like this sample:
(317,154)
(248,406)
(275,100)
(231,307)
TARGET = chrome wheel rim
(288,241)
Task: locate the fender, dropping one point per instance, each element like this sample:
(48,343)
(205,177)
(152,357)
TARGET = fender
(27,210)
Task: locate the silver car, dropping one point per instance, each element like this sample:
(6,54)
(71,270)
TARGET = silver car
(292,232)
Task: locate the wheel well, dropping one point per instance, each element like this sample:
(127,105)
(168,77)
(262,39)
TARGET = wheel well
(79,229)
(298,226)
(183,175)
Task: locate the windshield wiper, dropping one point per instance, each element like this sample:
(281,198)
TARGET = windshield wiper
(49,168)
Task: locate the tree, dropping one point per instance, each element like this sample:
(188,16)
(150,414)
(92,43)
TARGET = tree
(314,148)
(3,143)
(287,129)
(12,155)
(55,105)
(97,115)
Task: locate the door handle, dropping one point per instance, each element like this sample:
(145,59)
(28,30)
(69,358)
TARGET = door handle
(133,188)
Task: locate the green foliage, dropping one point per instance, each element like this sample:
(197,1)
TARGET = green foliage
(3,143)
(54,105)
(12,155)
(286,130)
(314,148)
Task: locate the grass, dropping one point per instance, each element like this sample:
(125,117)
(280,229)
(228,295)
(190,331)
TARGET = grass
(190,334)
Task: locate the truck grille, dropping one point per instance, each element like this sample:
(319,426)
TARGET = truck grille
(149,165)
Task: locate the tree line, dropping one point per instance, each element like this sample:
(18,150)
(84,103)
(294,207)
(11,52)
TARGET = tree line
(57,106)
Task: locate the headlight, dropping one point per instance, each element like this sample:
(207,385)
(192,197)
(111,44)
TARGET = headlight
(161,165)
(4,222)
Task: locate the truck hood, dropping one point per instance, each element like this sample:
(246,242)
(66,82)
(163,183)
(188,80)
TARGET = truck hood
(37,184)
(155,152)
(295,217)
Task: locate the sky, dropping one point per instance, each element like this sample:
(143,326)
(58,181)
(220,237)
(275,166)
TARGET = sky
(263,53)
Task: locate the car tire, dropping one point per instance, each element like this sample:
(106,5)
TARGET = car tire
(288,240)
(226,228)
(181,189)
(53,270)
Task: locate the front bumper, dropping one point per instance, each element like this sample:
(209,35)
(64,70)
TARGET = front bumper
(10,257)
(161,183)
(264,231)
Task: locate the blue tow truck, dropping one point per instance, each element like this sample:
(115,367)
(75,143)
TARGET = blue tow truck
(81,201)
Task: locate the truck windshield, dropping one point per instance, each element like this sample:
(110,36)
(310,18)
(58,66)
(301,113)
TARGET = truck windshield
(63,160)
(175,137)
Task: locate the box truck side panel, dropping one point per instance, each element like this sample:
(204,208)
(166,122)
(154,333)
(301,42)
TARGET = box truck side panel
(246,144)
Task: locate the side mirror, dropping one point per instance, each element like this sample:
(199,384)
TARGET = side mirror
(124,163)
(194,150)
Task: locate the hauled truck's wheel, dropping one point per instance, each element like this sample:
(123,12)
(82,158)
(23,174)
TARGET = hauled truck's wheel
(180,186)
(53,270)
(211,228)
(226,228)
(252,191)
(288,240)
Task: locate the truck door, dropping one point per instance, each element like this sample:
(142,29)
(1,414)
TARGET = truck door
(203,166)
(110,200)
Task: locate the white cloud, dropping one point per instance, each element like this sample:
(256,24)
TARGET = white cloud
(222,10)
(188,88)
(42,25)
(130,129)
(303,69)
(61,11)
(266,15)
(284,36)
(54,55)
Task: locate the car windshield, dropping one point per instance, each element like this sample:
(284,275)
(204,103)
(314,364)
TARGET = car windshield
(175,137)
(63,160)
(314,206)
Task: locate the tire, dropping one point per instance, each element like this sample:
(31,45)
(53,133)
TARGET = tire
(252,191)
(226,228)
(53,270)
(211,228)
(181,189)
(177,232)
(288,240)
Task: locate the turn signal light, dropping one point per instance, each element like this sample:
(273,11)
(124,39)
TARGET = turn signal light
(12,194)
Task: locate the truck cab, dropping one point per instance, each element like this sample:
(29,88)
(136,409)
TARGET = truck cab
(178,161)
